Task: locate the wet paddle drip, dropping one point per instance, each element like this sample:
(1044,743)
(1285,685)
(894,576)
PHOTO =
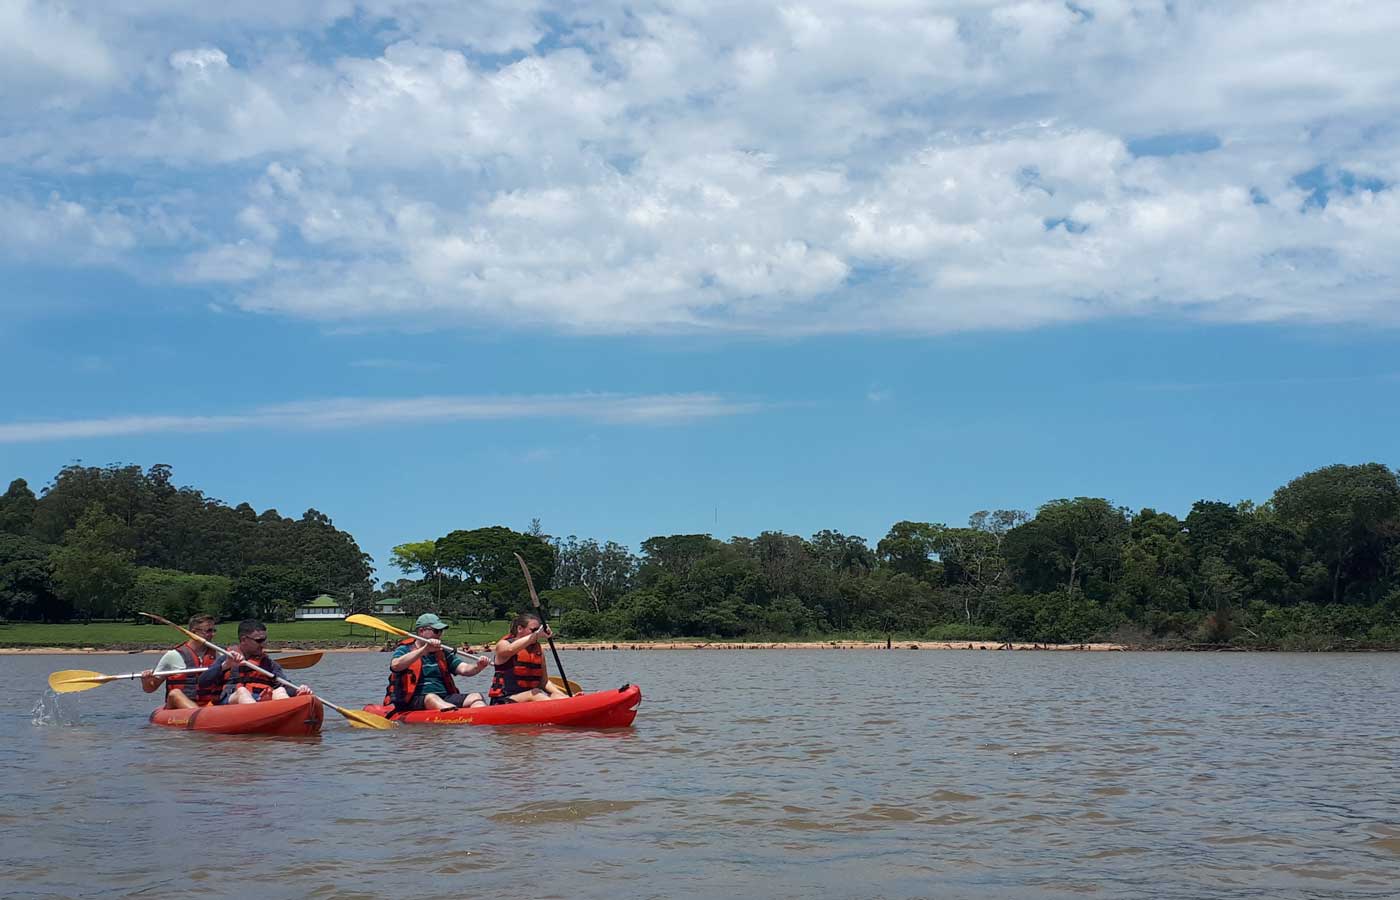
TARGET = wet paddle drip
(51,709)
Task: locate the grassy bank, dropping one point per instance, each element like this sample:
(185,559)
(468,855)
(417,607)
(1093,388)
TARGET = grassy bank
(131,636)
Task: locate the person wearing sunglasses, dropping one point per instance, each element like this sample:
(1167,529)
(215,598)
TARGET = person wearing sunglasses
(239,684)
(182,691)
(421,670)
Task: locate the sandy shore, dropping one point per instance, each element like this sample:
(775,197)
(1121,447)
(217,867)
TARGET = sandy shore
(665,645)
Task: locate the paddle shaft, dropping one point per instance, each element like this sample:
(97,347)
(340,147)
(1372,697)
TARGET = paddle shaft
(295,661)
(96,678)
(539,611)
(372,622)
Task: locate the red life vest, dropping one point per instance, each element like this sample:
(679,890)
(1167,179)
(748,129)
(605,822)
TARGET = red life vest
(522,672)
(188,683)
(406,684)
(254,681)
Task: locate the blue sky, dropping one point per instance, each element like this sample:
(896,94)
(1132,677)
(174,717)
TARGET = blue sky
(661,268)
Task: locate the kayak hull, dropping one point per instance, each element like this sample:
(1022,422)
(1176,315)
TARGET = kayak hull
(293,717)
(598,709)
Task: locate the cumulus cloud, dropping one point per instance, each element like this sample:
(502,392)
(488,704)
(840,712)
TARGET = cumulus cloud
(602,409)
(60,228)
(45,46)
(819,166)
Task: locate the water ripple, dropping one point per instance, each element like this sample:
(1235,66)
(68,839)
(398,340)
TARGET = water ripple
(1004,776)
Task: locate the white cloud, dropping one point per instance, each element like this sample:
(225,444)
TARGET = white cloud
(603,409)
(60,228)
(43,45)
(242,261)
(816,166)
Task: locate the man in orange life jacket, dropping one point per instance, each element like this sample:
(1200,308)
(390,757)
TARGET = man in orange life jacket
(182,691)
(521,675)
(239,684)
(420,672)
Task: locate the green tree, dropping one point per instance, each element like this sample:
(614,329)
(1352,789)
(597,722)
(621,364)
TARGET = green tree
(1346,515)
(260,591)
(910,548)
(973,563)
(179,595)
(604,571)
(420,557)
(17,507)
(484,558)
(1069,543)
(26,580)
(842,553)
(674,554)
(1157,567)
(93,569)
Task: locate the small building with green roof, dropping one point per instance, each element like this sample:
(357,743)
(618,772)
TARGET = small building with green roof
(323,607)
(327,607)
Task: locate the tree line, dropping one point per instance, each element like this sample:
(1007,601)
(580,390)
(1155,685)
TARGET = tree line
(102,543)
(1317,565)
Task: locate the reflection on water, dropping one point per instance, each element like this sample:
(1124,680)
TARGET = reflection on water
(762,773)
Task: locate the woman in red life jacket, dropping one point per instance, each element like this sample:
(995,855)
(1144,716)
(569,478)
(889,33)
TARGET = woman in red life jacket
(239,684)
(521,674)
(420,672)
(182,691)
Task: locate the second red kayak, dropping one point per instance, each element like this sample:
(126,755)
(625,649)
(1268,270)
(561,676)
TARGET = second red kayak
(295,716)
(596,709)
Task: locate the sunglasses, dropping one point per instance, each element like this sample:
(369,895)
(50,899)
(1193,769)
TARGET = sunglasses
(261,640)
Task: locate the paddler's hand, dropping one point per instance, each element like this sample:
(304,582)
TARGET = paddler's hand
(150,681)
(232,660)
(431,643)
(303,691)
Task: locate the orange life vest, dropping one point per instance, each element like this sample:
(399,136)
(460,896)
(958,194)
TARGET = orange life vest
(254,681)
(188,683)
(522,672)
(407,684)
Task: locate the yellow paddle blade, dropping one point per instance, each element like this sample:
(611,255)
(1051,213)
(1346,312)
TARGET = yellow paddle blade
(574,686)
(358,718)
(71,680)
(372,622)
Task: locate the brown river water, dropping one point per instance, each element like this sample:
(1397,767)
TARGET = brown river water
(765,773)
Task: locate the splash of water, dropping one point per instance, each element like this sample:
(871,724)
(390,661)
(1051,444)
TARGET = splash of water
(51,710)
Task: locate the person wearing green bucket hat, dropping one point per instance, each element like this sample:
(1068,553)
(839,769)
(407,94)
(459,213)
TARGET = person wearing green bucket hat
(420,671)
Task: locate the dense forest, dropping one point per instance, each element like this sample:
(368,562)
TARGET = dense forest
(1317,565)
(105,542)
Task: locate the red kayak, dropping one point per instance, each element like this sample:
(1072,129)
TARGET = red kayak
(596,709)
(291,717)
